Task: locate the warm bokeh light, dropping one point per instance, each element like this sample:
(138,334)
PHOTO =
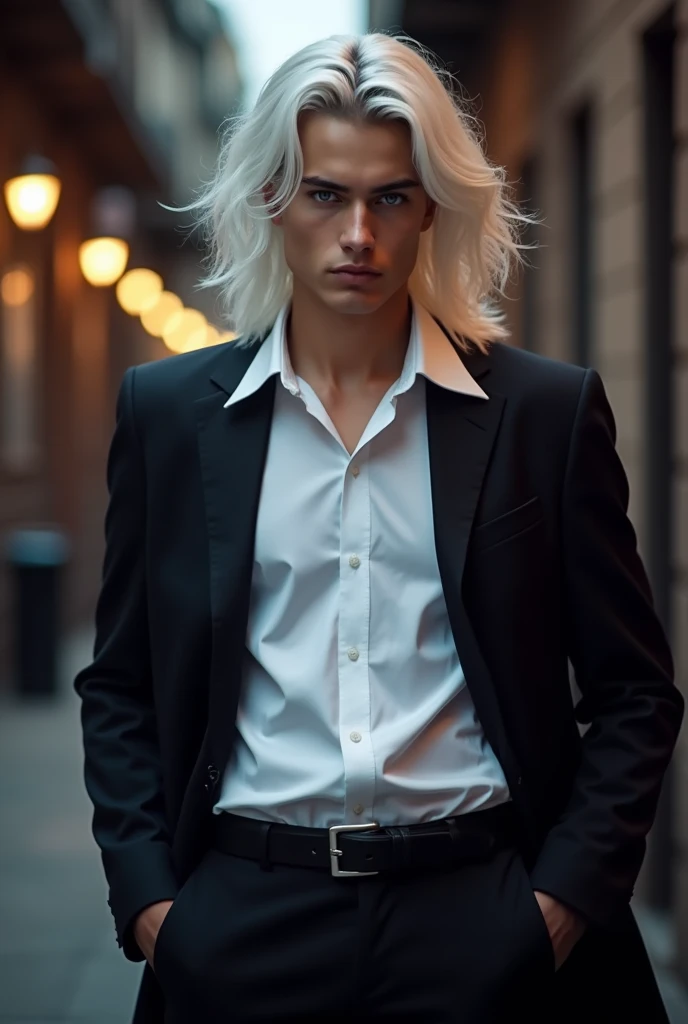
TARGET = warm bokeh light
(138,290)
(212,336)
(228,336)
(194,342)
(17,286)
(185,330)
(32,199)
(154,318)
(102,260)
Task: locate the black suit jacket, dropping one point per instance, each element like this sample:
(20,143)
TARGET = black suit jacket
(538,563)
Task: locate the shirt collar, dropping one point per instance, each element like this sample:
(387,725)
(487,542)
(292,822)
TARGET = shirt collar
(429,353)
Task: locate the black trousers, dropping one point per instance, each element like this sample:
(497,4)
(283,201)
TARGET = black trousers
(296,944)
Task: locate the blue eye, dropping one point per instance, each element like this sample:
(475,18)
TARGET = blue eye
(317,194)
(394,195)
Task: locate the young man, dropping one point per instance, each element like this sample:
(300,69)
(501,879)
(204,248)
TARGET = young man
(330,737)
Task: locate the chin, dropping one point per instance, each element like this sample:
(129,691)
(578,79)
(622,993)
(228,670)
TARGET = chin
(355,303)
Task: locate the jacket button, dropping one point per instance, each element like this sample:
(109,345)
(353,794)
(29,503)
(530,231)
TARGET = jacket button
(213,775)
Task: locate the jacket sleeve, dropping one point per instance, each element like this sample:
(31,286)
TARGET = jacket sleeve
(591,858)
(122,760)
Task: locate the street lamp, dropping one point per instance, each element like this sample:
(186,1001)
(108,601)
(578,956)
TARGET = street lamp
(17,286)
(33,195)
(138,290)
(102,260)
(155,317)
(185,330)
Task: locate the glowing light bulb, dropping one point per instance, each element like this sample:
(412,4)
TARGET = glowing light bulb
(102,260)
(32,199)
(138,290)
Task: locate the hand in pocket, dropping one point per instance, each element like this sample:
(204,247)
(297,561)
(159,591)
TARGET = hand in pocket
(147,926)
(565,927)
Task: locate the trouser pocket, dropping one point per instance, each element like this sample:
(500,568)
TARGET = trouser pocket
(536,927)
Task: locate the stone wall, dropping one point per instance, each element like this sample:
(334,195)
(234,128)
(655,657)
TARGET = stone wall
(546,63)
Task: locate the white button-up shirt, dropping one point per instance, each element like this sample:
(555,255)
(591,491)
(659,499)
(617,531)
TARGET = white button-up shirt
(354,706)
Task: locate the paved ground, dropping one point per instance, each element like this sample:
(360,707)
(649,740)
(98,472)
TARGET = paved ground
(59,961)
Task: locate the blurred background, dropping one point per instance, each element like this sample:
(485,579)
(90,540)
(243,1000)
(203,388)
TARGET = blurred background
(109,108)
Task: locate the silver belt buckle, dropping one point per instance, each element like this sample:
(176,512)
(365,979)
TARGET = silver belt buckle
(334,852)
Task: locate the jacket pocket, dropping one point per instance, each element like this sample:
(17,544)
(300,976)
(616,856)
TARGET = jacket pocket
(506,526)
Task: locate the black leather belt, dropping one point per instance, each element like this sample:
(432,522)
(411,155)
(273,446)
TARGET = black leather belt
(369,848)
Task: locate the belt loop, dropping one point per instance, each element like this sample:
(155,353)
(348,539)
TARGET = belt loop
(473,844)
(398,849)
(453,829)
(264,860)
(455,834)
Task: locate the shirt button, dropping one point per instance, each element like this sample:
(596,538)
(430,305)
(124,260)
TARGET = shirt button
(353,654)
(358,809)
(355,471)
(354,561)
(355,737)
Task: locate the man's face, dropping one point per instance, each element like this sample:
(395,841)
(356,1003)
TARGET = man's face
(345,212)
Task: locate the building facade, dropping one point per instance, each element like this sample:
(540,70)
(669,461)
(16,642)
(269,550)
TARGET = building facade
(115,93)
(585,102)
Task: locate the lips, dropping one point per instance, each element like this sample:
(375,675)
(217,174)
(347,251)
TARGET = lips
(356,271)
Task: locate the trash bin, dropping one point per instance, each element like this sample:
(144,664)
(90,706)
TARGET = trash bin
(37,557)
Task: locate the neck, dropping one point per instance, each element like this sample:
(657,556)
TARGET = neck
(347,351)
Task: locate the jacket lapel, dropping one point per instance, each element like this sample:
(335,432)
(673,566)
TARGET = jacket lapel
(462,431)
(233,446)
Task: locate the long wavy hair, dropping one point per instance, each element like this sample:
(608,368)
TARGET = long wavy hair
(464,258)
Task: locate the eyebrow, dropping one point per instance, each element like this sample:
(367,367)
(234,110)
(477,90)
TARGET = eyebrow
(333,186)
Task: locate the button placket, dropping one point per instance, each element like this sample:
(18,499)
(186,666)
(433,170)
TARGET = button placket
(354,629)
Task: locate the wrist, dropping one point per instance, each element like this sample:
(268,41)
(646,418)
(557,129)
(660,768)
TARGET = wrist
(147,925)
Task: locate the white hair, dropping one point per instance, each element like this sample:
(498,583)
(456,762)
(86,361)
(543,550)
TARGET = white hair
(464,258)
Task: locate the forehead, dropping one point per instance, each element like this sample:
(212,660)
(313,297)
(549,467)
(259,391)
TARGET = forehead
(353,152)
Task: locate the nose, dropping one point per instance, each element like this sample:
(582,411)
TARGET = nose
(356,233)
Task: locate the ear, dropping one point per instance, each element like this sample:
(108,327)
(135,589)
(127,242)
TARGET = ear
(429,217)
(268,196)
